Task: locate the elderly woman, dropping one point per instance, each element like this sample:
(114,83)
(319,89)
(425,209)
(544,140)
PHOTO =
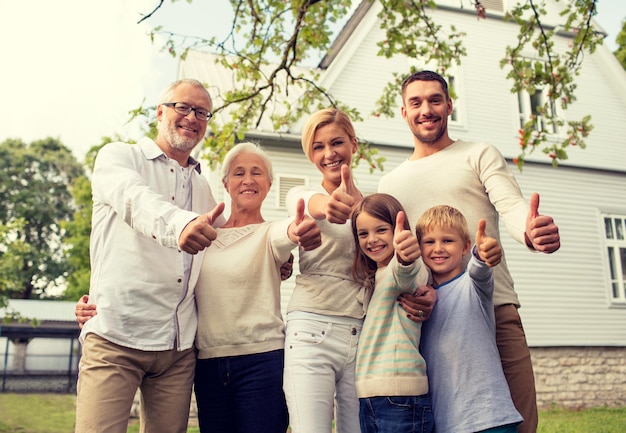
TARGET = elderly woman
(240,339)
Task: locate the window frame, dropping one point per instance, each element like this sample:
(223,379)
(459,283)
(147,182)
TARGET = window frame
(615,256)
(527,108)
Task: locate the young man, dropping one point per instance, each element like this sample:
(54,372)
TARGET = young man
(474,178)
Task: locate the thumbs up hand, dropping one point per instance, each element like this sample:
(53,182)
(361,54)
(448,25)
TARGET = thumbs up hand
(199,232)
(405,242)
(488,249)
(303,230)
(542,234)
(341,201)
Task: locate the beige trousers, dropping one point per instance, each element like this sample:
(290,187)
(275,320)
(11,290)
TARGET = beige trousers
(109,376)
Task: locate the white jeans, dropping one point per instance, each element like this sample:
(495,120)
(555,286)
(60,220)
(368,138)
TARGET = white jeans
(320,363)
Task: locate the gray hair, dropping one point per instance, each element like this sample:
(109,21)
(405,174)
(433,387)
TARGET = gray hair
(246,147)
(166,95)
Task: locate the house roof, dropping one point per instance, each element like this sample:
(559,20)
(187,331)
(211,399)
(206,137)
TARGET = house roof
(45,329)
(41,309)
(345,33)
(56,319)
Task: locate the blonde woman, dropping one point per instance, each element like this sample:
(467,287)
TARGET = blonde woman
(326,311)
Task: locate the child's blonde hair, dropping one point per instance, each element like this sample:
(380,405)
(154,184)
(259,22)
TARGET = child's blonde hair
(385,208)
(443,216)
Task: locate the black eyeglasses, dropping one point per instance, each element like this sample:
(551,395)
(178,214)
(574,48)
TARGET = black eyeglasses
(184,109)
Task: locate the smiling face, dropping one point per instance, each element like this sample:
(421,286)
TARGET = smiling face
(375,238)
(425,108)
(331,148)
(247,182)
(178,134)
(442,251)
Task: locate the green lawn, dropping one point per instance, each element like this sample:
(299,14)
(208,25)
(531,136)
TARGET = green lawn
(54,413)
(597,420)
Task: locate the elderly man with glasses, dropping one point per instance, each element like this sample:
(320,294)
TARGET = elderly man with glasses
(153,215)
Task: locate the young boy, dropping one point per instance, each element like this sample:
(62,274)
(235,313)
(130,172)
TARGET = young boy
(468,388)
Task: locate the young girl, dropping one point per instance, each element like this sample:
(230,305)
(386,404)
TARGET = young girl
(391,373)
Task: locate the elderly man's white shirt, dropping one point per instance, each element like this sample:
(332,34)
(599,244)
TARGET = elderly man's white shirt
(141,282)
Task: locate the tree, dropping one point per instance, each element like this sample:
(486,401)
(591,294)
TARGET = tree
(620,53)
(34,203)
(271,39)
(78,232)
(12,251)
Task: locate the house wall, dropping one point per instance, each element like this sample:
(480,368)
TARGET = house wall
(580,377)
(43,354)
(564,296)
(575,333)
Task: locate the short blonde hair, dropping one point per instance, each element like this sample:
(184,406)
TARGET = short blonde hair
(321,118)
(246,147)
(442,216)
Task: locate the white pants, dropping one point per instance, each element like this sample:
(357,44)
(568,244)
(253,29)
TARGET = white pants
(320,363)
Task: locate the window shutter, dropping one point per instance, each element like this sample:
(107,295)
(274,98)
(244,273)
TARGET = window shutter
(285,183)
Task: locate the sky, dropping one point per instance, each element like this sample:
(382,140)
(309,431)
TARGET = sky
(73,69)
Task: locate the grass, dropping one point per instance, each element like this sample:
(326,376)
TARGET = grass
(54,413)
(36,413)
(596,420)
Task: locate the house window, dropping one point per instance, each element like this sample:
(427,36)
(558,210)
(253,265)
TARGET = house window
(530,104)
(285,183)
(492,5)
(452,84)
(614,232)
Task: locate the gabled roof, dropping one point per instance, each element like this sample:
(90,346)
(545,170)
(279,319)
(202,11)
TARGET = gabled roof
(345,33)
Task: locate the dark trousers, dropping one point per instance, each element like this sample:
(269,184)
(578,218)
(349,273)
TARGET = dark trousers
(241,394)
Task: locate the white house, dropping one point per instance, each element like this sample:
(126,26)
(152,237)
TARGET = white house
(574,301)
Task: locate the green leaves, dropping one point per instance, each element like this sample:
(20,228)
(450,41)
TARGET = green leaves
(552,71)
(410,31)
(620,53)
(272,44)
(35,202)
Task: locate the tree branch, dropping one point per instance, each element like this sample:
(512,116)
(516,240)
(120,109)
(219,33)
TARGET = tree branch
(151,13)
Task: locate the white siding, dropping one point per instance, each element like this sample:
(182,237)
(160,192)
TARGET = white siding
(564,296)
